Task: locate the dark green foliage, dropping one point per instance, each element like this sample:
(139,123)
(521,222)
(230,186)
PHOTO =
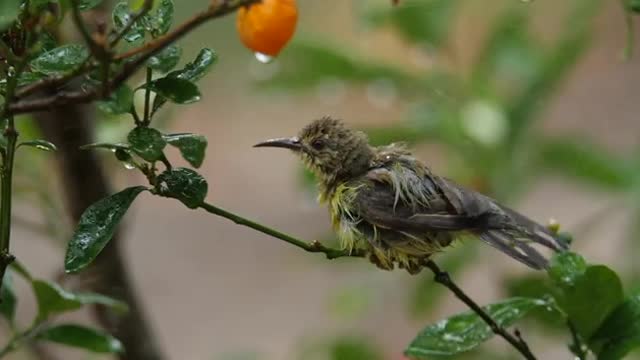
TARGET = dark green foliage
(192,147)
(81,337)
(351,348)
(148,143)
(60,60)
(177,90)
(9,11)
(119,102)
(620,332)
(122,15)
(192,72)
(96,228)
(463,332)
(166,60)
(183,184)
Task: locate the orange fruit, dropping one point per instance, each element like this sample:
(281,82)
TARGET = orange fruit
(266,27)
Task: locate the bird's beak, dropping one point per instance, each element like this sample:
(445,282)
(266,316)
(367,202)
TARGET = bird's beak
(287,143)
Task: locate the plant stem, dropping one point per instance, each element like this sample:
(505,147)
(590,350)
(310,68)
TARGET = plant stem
(17,338)
(577,347)
(314,246)
(442,277)
(147,99)
(6,172)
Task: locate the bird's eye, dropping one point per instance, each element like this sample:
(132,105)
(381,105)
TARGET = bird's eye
(318,144)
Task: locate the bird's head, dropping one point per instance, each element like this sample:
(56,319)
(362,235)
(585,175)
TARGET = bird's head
(329,149)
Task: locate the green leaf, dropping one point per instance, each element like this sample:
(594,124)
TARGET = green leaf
(9,11)
(178,90)
(418,21)
(192,147)
(99,299)
(537,286)
(60,60)
(620,332)
(585,161)
(88,4)
(160,22)
(591,298)
(52,299)
(193,72)
(198,68)
(96,227)
(183,184)
(634,5)
(566,267)
(166,60)
(8,299)
(81,337)
(465,331)
(39,144)
(121,17)
(148,143)
(119,102)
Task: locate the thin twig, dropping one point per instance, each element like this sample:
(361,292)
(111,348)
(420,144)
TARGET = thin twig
(314,246)
(55,81)
(442,277)
(77,19)
(147,98)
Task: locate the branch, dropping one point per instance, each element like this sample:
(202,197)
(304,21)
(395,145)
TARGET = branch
(577,347)
(313,247)
(145,52)
(442,277)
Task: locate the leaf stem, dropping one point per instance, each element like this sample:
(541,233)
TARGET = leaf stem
(443,278)
(313,247)
(147,98)
(577,347)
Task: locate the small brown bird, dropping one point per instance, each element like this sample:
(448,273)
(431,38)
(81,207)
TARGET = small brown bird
(387,202)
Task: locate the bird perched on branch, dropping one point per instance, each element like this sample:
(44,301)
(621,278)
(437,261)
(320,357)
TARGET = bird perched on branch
(387,202)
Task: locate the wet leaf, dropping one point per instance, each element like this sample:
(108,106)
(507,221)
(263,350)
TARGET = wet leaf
(159,22)
(119,102)
(590,298)
(39,144)
(620,332)
(178,90)
(192,147)
(183,184)
(566,267)
(96,227)
(193,72)
(148,143)
(81,337)
(9,11)
(122,15)
(106,146)
(465,331)
(8,299)
(60,60)
(166,60)
(99,299)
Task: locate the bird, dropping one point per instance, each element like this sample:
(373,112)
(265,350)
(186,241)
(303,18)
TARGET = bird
(384,201)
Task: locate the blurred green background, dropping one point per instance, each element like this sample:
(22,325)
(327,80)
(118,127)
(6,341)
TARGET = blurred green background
(528,101)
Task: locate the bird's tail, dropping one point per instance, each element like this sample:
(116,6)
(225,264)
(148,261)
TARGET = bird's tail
(516,240)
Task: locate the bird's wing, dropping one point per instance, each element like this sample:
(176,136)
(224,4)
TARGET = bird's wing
(456,208)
